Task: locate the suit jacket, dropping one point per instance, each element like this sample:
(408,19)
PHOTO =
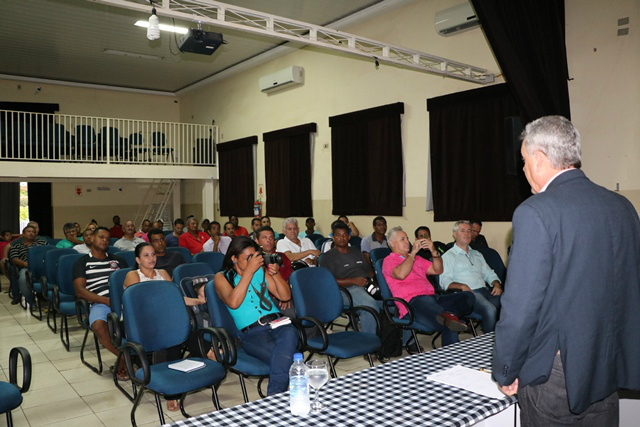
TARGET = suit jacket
(574,286)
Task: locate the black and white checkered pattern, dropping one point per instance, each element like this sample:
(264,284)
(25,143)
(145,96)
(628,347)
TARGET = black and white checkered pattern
(393,394)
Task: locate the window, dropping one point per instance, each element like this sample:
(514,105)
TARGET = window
(237,176)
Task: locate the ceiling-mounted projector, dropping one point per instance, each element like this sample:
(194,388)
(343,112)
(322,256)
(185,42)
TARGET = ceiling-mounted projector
(199,41)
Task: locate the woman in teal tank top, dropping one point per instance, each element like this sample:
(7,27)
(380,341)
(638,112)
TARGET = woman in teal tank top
(244,285)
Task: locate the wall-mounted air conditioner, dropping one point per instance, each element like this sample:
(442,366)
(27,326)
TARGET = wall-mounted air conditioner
(285,78)
(456,19)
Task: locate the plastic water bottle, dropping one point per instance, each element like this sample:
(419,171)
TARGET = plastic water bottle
(299,387)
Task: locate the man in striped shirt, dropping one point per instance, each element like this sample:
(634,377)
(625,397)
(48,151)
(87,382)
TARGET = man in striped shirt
(91,281)
(19,256)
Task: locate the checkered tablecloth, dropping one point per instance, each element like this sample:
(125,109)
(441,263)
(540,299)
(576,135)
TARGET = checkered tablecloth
(393,394)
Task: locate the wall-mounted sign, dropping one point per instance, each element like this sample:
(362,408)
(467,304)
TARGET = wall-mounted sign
(78,190)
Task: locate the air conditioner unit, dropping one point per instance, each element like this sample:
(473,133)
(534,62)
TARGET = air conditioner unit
(456,19)
(288,77)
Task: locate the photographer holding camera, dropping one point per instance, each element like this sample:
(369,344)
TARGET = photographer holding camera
(352,272)
(265,238)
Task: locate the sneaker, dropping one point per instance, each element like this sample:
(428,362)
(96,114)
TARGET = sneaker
(451,322)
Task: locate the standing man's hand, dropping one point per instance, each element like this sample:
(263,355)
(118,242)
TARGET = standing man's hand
(509,390)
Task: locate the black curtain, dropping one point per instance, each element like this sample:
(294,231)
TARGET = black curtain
(40,209)
(468,156)
(287,154)
(237,176)
(10,212)
(366,161)
(528,40)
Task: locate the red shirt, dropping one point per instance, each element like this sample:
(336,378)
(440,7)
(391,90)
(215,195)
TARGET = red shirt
(240,231)
(194,244)
(116,231)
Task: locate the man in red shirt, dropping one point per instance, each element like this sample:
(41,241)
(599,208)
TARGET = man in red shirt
(240,231)
(193,239)
(116,231)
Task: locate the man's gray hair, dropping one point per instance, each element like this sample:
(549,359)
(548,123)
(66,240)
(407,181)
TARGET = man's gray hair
(68,226)
(557,138)
(457,224)
(392,234)
(290,220)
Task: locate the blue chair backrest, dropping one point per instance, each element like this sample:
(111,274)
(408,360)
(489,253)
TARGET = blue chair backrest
(167,232)
(111,250)
(109,134)
(378,253)
(112,241)
(494,260)
(195,269)
(219,315)
(316,294)
(51,259)
(135,139)
(320,242)
(116,288)
(355,241)
(158,138)
(64,275)
(155,315)
(85,134)
(184,251)
(382,282)
(53,242)
(35,258)
(128,256)
(214,259)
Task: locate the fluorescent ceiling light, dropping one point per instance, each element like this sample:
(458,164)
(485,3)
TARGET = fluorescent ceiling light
(164,27)
(132,54)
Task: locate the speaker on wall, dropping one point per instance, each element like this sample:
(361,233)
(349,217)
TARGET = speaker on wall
(512,130)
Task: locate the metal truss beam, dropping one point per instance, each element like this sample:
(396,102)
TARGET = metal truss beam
(252,21)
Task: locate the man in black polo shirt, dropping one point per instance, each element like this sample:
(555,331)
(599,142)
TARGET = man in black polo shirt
(91,281)
(19,256)
(165,260)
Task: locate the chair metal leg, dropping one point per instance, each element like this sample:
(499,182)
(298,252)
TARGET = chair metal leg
(37,304)
(51,313)
(64,329)
(433,341)
(214,398)
(370,360)
(244,389)
(182,406)
(97,370)
(132,396)
(135,406)
(473,328)
(260,392)
(332,368)
(9,419)
(159,405)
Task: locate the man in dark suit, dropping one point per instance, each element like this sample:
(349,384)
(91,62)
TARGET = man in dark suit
(568,334)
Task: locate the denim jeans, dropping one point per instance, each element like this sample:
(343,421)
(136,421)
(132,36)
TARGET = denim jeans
(361,297)
(487,306)
(275,347)
(427,307)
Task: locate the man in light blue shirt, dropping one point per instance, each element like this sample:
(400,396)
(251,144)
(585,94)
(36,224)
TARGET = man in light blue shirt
(465,269)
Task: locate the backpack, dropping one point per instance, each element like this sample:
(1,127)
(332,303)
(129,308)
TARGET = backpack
(391,339)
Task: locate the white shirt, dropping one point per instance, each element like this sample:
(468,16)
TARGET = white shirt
(223,245)
(286,245)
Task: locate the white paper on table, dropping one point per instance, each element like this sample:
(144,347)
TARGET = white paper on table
(469,379)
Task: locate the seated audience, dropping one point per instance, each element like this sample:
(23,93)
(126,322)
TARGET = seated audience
(18,255)
(116,231)
(255,224)
(165,260)
(352,272)
(229,229)
(144,229)
(423,232)
(477,240)
(129,241)
(239,230)
(266,240)
(193,239)
(216,242)
(243,285)
(91,282)
(78,229)
(205,226)
(36,227)
(265,221)
(294,248)
(172,239)
(70,239)
(158,223)
(85,246)
(310,223)
(375,240)
(406,276)
(466,270)
(5,238)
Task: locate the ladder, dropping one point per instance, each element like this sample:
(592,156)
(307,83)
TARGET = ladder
(155,202)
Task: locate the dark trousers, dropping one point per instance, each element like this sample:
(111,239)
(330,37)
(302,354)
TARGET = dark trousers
(546,405)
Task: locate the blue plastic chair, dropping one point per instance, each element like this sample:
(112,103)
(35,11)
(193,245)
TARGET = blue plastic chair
(184,251)
(214,259)
(50,278)
(128,256)
(64,294)
(35,259)
(194,269)
(378,253)
(318,302)
(85,142)
(11,392)
(156,320)
(159,142)
(494,260)
(390,310)
(246,366)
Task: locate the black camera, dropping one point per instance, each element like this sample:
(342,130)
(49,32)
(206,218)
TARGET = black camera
(271,258)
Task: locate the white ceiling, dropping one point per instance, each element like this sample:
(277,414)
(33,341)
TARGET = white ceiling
(65,40)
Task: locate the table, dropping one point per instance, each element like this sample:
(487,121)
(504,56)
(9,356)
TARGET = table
(393,394)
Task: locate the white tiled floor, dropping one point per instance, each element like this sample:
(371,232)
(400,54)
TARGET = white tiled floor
(64,392)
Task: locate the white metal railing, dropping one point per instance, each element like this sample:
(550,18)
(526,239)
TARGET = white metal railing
(67,138)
